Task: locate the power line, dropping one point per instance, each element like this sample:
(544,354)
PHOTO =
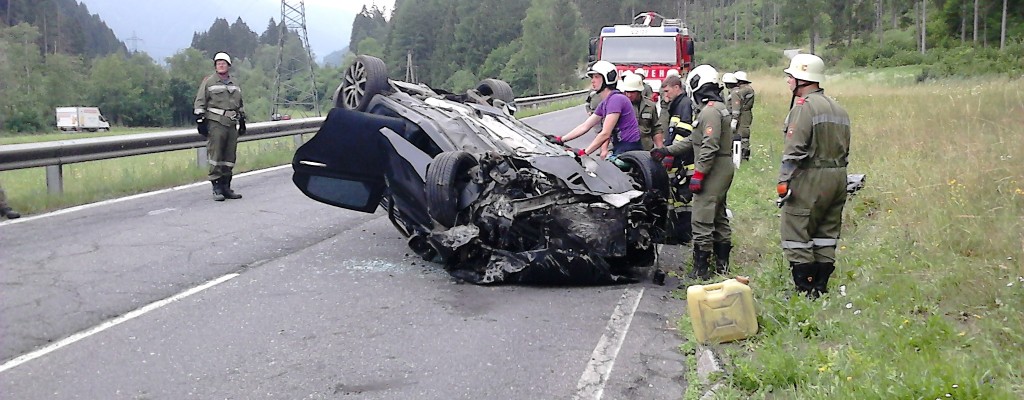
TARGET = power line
(289,93)
(135,41)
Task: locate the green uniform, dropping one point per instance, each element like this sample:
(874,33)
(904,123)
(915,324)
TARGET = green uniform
(593,100)
(711,144)
(647,117)
(648,92)
(741,106)
(814,159)
(5,210)
(221,103)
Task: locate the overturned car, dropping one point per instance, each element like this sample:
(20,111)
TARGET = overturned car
(475,189)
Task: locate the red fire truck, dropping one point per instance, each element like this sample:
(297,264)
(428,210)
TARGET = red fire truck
(652,42)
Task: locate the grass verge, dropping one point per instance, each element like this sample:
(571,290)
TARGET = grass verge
(89,182)
(928,297)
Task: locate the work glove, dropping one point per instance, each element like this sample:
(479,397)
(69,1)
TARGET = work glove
(697,182)
(732,124)
(580,152)
(784,193)
(659,153)
(241,126)
(554,139)
(201,125)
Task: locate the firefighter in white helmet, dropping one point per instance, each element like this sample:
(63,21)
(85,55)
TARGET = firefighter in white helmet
(713,171)
(648,92)
(615,114)
(812,177)
(741,105)
(220,116)
(645,109)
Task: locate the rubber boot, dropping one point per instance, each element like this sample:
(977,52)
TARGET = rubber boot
(225,188)
(745,154)
(9,213)
(803,277)
(701,264)
(822,271)
(722,250)
(218,194)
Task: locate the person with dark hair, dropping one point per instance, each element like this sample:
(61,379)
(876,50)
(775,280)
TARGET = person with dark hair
(615,113)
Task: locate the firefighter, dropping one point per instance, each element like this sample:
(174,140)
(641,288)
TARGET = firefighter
(648,92)
(221,119)
(812,177)
(675,119)
(645,109)
(5,210)
(712,174)
(742,108)
(615,113)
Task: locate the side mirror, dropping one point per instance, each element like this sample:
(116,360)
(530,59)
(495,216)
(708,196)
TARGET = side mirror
(591,58)
(593,47)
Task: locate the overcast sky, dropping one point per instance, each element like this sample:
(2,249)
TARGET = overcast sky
(165,27)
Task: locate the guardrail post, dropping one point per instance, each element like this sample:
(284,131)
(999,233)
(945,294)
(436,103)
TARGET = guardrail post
(298,140)
(55,179)
(202,160)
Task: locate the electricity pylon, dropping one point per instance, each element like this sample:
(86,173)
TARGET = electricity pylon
(290,66)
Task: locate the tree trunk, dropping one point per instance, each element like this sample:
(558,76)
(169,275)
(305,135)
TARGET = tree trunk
(963,22)
(895,20)
(878,21)
(736,24)
(775,23)
(1002,30)
(924,26)
(975,21)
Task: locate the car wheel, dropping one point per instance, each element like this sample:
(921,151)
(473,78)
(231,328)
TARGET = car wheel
(447,176)
(366,77)
(649,174)
(497,89)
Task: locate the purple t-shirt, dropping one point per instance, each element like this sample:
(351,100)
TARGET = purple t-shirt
(629,129)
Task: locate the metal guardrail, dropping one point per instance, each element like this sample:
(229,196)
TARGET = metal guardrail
(53,155)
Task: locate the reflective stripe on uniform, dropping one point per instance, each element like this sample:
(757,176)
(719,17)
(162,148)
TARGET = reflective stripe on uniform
(224,163)
(829,118)
(789,244)
(229,88)
(825,242)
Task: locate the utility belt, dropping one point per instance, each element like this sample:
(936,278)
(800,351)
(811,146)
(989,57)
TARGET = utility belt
(232,114)
(818,163)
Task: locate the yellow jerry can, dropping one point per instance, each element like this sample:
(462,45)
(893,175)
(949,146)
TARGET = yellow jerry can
(722,312)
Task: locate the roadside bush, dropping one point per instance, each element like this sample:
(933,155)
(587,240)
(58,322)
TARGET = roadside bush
(743,56)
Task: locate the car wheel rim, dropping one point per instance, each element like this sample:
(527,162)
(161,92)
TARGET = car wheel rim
(355,85)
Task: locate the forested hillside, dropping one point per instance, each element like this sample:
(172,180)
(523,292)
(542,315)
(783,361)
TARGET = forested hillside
(540,45)
(65,27)
(53,53)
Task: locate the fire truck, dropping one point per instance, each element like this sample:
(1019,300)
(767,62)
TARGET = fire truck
(652,42)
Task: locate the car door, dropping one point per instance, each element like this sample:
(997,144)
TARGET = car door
(345,163)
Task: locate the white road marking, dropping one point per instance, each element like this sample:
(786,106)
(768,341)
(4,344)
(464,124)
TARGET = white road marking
(132,197)
(160,211)
(114,322)
(595,375)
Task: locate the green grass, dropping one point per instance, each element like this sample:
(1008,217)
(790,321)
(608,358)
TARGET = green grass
(930,254)
(525,112)
(89,182)
(10,138)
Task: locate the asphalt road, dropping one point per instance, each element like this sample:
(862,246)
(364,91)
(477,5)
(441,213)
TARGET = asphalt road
(169,295)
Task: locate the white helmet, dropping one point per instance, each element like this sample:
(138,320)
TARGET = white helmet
(641,72)
(741,76)
(729,77)
(222,56)
(607,72)
(672,72)
(700,76)
(807,67)
(631,83)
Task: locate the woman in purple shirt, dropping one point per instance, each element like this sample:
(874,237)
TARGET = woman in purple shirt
(620,123)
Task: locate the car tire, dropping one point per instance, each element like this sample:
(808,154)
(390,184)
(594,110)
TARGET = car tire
(365,78)
(497,89)
(447,176)
(649,174)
